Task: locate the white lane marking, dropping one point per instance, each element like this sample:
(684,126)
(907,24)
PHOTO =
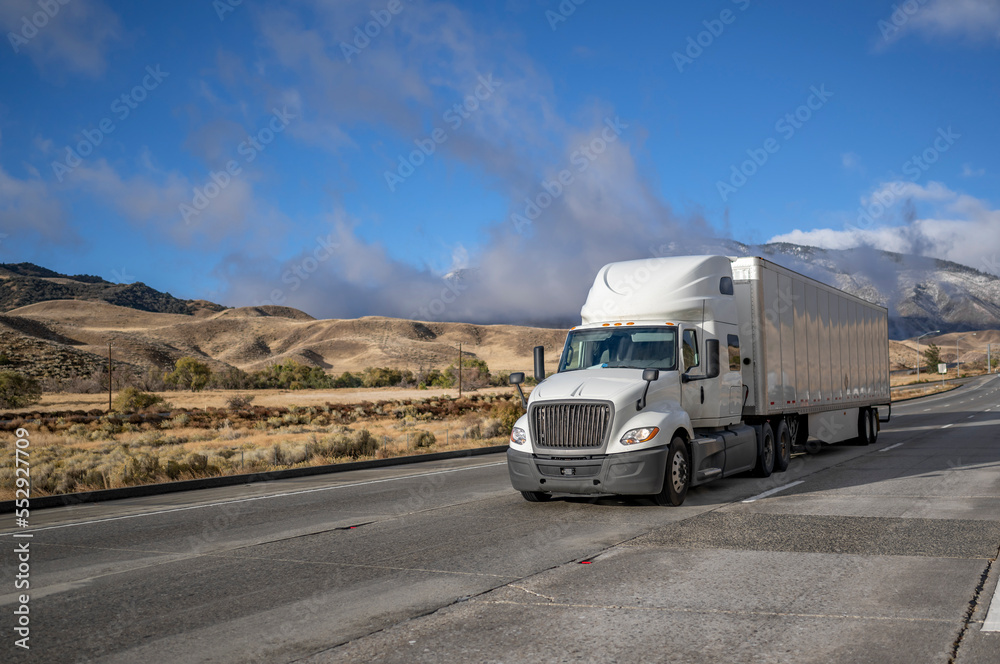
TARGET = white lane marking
(886,449)
(992,622)
(948,425)
(970,417)
(771,492)
(926,409)
(247,500)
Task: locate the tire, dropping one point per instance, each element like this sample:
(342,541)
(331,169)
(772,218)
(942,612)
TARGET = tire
(864,427)
(874,414)
(676,476)
(765,451)
(536,496)
(782,447)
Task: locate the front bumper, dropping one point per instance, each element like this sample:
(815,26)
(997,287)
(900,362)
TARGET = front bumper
(629,473)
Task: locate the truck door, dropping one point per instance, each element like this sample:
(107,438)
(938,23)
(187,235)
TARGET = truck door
(692,392)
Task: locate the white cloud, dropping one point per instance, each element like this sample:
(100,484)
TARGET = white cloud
(976,20)
(77,36)
(850,160)
(28,207)
(969,172)
(956,227)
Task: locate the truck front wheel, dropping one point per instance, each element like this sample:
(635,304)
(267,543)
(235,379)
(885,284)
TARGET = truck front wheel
(536,496)
(677,477)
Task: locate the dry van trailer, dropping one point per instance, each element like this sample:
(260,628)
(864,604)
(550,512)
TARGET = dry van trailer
(812,354)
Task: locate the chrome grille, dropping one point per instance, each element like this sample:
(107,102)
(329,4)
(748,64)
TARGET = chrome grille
(570,425)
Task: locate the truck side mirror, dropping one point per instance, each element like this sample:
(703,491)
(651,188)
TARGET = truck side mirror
(712,361)
(539,363)
(516,379)
(648,375)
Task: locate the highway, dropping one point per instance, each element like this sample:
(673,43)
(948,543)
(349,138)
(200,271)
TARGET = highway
(855,554)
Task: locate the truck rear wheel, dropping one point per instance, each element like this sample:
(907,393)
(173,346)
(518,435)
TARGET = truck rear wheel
(677,477)
(765,451)
(864,427)
(782,447)
(536,496)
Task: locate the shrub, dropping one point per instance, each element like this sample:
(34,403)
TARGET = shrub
(239,402)
(131,400)
(423,439)
(507,412)
(291,375)
(231,378)
(189,374)
(17,391)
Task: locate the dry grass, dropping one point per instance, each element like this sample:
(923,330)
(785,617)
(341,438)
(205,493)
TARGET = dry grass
(73,453)
(59,401)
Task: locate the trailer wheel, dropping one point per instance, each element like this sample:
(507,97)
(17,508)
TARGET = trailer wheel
(782,447)
(874,416)
(536,496)
(765,451)
(677,477)
(864,427)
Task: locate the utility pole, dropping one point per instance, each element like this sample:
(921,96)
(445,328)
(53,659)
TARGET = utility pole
(109,377)
(918,350)
(958,358)
(459,370)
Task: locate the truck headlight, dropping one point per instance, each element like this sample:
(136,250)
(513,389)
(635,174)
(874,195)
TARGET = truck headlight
(518,436)
(639,435)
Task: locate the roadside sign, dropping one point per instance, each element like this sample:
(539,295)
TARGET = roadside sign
(942,368)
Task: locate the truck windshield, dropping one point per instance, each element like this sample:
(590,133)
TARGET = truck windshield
(633,347)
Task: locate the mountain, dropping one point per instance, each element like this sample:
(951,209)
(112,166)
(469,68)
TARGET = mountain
(922,294)
(62,338)
(22,284)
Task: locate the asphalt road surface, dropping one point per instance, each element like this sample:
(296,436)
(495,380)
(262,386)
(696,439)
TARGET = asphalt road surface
(856,554)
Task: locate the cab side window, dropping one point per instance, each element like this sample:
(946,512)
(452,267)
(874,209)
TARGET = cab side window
(690,349)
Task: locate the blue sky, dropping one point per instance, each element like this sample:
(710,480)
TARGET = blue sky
(251,152)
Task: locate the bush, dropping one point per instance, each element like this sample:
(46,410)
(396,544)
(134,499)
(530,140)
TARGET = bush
(423,439)
(17,391)
(507,412)
(291,375)
(475,374)
(239,402)
(189,374)
(231,378)
(131,400)
(352,444)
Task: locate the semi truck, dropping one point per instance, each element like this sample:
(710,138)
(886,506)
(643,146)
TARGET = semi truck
(692,368)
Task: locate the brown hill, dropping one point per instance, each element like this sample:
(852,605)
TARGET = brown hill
(252,337)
